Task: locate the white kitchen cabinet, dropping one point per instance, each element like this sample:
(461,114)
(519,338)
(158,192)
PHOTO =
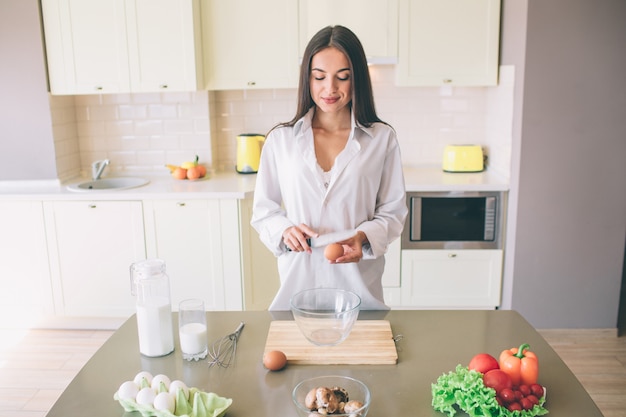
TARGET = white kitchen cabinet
(375,22)
(86,46)
(448,279)
(199,242)
(165,45)
(391,275)
(26,295)
(250,44)
(115,46)
(92,245)
(448,42)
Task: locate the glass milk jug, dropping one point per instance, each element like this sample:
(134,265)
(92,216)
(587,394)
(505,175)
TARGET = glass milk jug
(151,286)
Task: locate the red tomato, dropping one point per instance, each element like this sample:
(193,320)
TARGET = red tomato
(483,363)
(514,407)
(533,399)
(526,404)
(497,380)
(507,395)
(537,390)
(525,390)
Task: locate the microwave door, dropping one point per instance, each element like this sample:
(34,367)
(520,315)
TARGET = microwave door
(416,219)
(453,220)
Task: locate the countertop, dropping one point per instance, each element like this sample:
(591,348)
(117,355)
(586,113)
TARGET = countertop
(214,186)
(233,185)
(433,343)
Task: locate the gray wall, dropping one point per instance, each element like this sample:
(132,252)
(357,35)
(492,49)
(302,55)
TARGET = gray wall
(571,196)
(26,148)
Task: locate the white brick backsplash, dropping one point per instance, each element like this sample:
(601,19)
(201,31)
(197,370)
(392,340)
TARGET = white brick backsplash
(143,132)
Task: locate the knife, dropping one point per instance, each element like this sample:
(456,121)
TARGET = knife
(328,238)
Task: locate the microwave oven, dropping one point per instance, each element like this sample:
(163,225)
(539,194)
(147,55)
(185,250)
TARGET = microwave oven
(454,220)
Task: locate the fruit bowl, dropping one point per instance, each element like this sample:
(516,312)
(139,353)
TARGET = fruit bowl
(333,395)
(325,316)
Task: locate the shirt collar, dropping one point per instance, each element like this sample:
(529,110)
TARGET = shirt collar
(304,124)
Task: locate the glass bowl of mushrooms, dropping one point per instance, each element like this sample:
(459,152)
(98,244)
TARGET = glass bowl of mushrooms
(334,395)
(325,316)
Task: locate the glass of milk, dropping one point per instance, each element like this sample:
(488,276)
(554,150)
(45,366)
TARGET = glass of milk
(192,329)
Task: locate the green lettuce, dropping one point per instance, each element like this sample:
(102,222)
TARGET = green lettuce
(464,390)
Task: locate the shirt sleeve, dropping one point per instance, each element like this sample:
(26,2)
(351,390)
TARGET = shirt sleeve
(391,210)
(268,217)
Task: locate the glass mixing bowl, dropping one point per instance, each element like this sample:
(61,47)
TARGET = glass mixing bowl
(357,404)
(325,316)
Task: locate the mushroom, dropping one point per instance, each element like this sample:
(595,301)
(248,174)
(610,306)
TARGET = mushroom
(352,406)
(341,394)
(310,401)
(327,399)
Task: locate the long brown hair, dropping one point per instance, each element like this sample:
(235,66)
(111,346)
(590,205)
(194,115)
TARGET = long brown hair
(347,42)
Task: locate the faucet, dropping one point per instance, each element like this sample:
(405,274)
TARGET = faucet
(97,168)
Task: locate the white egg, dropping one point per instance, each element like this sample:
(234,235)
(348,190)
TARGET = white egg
(165,401)
(175,385)
(156,382)
(146,396)
(143,375)
(128,390)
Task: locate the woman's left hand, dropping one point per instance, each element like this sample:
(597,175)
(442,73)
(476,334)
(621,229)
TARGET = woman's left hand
(352,249)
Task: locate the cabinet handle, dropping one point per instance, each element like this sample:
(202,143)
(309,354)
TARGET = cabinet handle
(447,81)
(163,86)
(99,88)
(92,206)
(180,204)
(452,255)
(251,83)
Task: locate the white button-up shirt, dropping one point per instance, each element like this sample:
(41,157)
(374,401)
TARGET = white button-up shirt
(366,192)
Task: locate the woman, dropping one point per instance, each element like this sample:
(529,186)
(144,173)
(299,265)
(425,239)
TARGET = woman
(334,167)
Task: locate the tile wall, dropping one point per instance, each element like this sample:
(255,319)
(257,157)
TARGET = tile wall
(143,132)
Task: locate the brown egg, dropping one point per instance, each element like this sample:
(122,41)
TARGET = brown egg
(274,360)
(333,251)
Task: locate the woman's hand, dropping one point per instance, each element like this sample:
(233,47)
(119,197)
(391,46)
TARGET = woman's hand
(295,238)
(352,249)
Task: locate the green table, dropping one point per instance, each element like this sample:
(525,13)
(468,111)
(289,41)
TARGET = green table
(433,343)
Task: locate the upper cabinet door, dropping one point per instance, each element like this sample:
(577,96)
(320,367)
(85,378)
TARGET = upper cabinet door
(86,46)
(250,44)
(164,44)
(448,42)
(375,22)
(121,46)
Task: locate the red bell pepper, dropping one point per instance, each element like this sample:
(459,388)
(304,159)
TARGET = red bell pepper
(520,364)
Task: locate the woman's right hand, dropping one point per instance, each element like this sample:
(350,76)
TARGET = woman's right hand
(295,238)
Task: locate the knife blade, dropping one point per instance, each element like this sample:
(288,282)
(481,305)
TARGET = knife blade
(328,238)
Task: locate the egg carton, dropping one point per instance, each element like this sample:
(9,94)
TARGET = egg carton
(200,404)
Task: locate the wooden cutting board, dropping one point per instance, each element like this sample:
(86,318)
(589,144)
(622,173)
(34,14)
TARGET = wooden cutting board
(369,343)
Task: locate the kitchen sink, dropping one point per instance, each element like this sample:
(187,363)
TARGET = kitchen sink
(114,183)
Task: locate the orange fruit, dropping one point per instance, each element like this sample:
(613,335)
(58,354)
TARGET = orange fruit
(194,173)
(179,173)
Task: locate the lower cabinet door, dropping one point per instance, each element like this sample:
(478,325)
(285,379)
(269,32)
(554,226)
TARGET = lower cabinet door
(199,242)
(450,279)
(26,293)
(92,245)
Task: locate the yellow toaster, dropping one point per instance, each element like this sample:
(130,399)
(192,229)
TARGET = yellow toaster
(463,158)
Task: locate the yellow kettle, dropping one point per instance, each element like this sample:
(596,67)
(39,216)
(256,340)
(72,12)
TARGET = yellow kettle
(249,152)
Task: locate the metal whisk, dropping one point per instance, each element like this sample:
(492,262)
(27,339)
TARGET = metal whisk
(222,351)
